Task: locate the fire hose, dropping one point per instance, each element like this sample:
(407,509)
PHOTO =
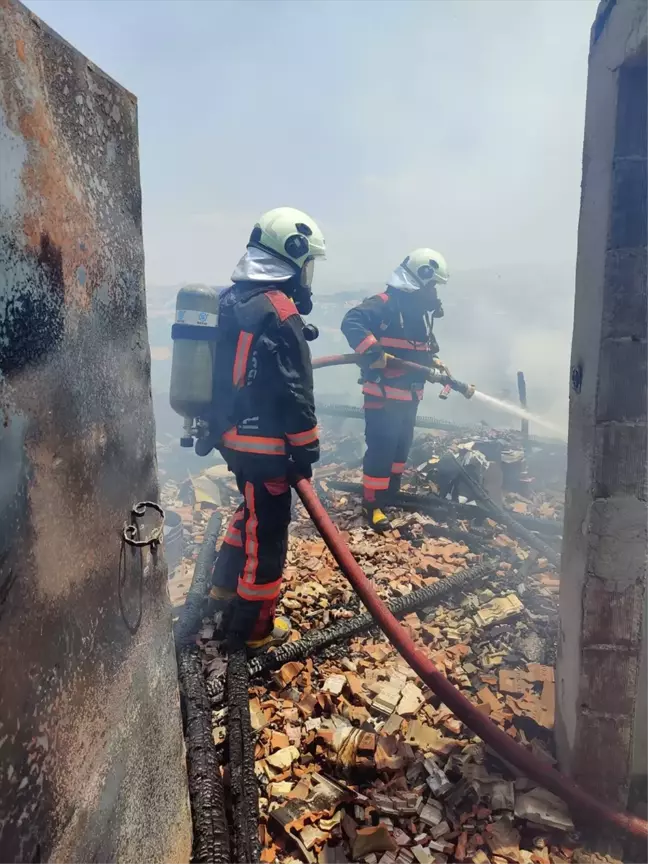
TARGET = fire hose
(578,799)
(211,846)
(445,379)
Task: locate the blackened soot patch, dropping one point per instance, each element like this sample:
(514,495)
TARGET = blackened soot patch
(31,306)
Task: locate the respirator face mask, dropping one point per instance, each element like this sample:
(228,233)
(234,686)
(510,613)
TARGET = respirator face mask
(429,297)
(303,294)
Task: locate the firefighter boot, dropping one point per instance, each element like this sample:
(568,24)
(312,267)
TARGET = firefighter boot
(394,485)
(376,519)
(277,636)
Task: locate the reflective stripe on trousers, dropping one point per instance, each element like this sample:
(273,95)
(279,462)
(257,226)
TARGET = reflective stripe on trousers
(233,534)
(254,568)
(389,435)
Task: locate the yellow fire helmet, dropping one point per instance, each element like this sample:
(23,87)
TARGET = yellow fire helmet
(421,267)
(289,234)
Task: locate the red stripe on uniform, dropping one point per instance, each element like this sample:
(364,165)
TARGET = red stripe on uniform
(241,358)
(397,467)
(386,392)
(233,537)
(301,439)
(378,483)
(383,297)
(251,539)
(366,343)
(233,534)
(283,305)
(398,394)
(254,444)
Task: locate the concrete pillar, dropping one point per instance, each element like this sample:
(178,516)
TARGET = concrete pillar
(92,763)
(601,694)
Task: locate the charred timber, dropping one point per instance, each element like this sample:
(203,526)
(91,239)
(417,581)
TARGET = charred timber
(210,831)
(191,612)
(317,640)
(503,516)
(433,504)
(243,783)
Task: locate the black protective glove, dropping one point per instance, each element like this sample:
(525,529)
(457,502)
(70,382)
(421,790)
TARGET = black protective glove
(374,358)
(378,359)
(439,311)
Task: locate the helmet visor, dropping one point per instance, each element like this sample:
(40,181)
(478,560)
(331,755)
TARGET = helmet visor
(307,271)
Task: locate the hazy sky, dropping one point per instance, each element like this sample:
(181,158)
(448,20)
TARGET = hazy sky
(394,123)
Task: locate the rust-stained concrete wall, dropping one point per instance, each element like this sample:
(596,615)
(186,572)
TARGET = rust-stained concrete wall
(91,751)
(601,663)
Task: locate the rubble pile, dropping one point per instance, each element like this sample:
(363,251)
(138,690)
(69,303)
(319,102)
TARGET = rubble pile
(356,759)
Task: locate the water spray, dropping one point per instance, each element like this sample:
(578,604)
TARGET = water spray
(518,411)
(441,375)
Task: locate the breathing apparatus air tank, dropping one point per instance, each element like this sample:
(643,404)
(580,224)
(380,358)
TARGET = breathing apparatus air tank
(192,367)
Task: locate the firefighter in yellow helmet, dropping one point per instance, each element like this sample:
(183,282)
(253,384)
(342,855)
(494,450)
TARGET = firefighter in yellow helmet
(398,323)
(267,426)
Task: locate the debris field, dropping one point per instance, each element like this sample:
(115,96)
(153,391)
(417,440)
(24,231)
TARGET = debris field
(355,759)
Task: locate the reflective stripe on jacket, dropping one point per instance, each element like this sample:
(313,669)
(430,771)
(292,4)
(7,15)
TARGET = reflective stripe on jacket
(385,322)
(263,380)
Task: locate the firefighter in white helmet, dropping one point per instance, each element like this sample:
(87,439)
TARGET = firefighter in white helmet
(267,424)
(397,323)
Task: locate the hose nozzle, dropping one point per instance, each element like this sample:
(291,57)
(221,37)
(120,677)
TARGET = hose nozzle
(450,384)
(466,390)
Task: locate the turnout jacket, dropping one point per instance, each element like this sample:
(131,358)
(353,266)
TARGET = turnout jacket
(263,381)
(385,323)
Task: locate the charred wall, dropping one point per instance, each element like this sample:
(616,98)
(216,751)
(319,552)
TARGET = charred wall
(91,749)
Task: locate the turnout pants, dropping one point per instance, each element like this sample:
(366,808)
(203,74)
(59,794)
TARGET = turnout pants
(389,430)
(253,554)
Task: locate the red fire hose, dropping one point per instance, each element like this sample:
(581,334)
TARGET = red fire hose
(579,800)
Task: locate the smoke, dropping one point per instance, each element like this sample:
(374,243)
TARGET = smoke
(499,322)
(496,323)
